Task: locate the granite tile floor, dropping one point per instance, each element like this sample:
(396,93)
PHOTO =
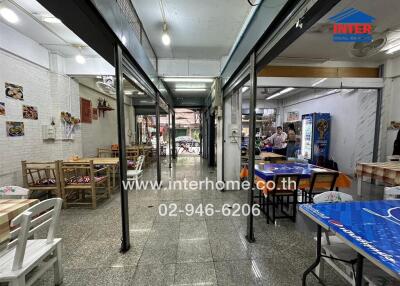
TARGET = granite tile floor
(184,250)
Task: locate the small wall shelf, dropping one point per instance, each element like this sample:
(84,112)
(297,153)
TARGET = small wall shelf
(104,109)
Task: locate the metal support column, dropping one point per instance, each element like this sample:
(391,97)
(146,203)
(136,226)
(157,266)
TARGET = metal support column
(158,137)
(125,242)
(201,133)
(173,137)
(211,145)
(378,120)
(252,137)
(169,138)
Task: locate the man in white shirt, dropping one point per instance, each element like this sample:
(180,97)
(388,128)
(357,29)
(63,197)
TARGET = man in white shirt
(278,139)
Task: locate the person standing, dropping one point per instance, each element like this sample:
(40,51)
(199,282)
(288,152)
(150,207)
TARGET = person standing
(278,141)
(291,142)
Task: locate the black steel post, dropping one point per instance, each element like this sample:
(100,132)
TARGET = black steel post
(169,137)
(125,242)
(173,136)
(158,137)
(211,147)
(201,133)
(317,259)
(359,270)
(252,142)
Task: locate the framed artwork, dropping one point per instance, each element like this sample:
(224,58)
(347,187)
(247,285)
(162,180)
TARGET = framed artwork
(15,129)
(2,108)
(30,112)
(394,125)
(293,116)
(95,116)
(86,111)
(14,91)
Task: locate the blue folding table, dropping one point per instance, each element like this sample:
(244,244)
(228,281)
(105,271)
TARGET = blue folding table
(371,228)
(268,171)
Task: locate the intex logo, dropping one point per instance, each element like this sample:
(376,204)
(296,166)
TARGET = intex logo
(352,25)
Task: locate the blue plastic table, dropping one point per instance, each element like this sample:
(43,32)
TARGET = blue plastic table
(268,171)
(371,228)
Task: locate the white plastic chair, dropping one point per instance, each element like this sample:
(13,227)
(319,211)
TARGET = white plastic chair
(23,254)
(137,173)
(14,192)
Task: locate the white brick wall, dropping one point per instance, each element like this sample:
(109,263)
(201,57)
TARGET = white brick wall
(51,94)
(103,132)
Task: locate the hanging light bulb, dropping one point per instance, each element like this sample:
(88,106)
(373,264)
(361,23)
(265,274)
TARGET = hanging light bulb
(80,59)
(166,40)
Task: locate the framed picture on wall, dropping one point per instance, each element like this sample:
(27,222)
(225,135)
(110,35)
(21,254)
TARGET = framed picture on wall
(30,112)
(14,91)
(95,116)
(15,129)
(86,111)
(293,116)
(2,108)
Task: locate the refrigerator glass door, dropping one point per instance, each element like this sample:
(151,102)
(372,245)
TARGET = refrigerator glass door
(306,137)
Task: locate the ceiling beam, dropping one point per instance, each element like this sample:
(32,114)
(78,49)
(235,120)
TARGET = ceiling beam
(318,72)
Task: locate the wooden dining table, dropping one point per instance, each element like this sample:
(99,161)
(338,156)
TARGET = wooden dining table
(270,156)
(386,172)
(112,162)
(9,209)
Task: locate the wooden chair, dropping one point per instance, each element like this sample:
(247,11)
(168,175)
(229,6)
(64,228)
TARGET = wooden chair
(275,197)
(42,177)
(137,173)
(320,182)
(104,152)
(81,179)
(23,254)
(132,155)
(115,150)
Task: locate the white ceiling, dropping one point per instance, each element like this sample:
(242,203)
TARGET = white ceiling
(316,46)
(199,29)
(53,36)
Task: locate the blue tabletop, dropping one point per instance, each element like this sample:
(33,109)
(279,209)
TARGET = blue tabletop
(267,149)
(268,171)
(372,227)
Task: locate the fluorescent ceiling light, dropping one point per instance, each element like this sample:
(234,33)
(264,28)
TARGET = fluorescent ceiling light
(51,19)
(286,90)
(9,15)
(190,89)
(140,93)
(319,82)
(80,59)
(245,88)
(123,40)
(393,50)
(187,79)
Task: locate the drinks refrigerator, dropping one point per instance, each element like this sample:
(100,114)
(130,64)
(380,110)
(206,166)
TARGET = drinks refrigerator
(315,137)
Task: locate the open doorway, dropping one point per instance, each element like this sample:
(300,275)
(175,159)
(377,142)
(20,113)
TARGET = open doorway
(187,134)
